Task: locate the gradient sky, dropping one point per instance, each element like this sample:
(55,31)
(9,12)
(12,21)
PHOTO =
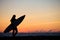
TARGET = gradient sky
(41,15)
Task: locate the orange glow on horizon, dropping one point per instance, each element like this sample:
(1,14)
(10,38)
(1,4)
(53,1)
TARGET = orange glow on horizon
(25,27)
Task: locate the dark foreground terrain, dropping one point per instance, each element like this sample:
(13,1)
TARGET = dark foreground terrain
(30,36)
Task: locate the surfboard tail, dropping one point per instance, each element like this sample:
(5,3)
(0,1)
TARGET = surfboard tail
(5,31)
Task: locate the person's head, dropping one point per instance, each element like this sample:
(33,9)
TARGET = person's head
(14,15)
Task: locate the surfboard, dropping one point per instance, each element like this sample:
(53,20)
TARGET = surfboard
(16,23)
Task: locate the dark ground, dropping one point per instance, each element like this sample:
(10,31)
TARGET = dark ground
(30,36)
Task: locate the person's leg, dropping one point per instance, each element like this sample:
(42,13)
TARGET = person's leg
(13,33)
(16,31)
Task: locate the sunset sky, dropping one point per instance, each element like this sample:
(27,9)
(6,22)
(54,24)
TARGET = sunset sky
(41,15)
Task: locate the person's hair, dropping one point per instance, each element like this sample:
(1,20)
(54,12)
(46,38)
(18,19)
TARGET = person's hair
(14,15)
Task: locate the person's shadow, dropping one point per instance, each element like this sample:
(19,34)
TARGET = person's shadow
(14,23)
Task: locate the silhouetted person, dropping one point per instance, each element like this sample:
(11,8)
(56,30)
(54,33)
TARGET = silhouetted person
(13,19)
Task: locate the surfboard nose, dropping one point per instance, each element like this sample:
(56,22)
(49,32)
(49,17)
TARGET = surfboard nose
(23,16)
